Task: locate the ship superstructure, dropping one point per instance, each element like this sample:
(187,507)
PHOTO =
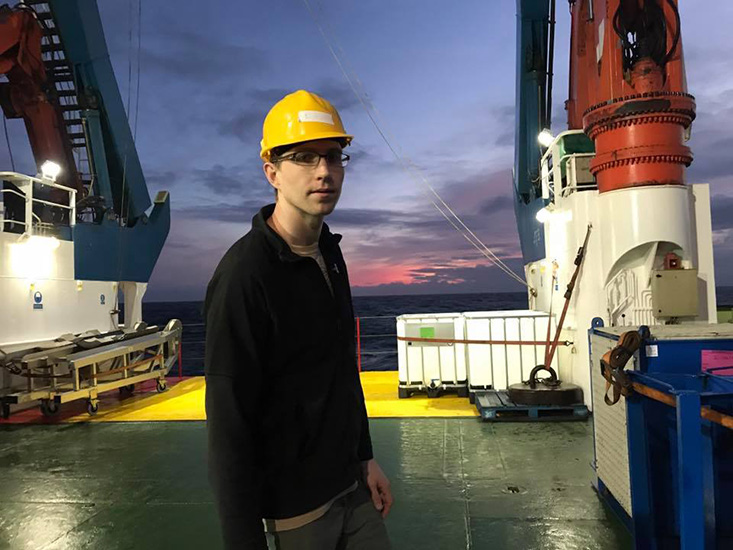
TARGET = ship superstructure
(78,239)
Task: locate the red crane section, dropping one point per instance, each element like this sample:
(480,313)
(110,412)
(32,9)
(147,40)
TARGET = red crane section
(29,94)
(628,90)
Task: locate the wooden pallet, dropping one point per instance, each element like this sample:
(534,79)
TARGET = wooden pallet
(495,406)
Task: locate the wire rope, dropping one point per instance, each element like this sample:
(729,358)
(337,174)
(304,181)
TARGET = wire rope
(139,48)
(7,140)
(405,163)
(129,62)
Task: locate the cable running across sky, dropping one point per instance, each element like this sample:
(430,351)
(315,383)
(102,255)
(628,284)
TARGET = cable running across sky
(405,163)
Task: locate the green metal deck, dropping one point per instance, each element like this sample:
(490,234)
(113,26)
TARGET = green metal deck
(458,484)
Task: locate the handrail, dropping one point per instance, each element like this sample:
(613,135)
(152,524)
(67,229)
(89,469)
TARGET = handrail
(54,204)
(13,192)
(377,317)
(705,412)
(16,176)
(359,337)
(25,183)
(547,173)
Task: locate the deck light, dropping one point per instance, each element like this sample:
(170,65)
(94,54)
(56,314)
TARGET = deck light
(545,138)
(33,257)
(543,215)
(50,170)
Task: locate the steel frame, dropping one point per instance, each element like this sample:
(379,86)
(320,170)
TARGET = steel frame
(73,376)
(692,446)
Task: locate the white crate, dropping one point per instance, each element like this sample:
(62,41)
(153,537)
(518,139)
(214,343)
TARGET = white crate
(497,366)
(425,365)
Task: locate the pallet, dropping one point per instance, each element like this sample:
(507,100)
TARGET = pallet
(495,406)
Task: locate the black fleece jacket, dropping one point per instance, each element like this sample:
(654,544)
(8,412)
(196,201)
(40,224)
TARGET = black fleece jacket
(285,411)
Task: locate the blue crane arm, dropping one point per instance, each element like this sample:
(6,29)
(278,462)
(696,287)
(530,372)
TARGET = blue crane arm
(124,246)
(531,109)
(120,176)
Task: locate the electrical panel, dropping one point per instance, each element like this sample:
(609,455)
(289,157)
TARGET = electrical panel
(674,293)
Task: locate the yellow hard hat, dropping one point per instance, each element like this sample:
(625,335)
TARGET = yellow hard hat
(298,117)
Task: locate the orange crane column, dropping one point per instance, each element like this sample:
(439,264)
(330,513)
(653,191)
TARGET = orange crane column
(629,92)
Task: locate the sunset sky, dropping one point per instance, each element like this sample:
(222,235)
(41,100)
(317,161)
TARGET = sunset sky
(441,78)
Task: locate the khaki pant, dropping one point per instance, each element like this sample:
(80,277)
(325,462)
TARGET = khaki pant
(352,523)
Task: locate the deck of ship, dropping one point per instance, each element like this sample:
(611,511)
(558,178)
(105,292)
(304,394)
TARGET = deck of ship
(122,482)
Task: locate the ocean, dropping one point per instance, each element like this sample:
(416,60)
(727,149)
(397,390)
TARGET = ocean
(376,320)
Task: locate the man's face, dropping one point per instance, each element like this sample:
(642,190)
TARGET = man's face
(313,190)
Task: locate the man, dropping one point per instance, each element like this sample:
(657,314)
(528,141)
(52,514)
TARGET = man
(289,442)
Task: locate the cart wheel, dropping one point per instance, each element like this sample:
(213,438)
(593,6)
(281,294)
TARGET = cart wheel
(49,407)
(5,410)
(403,393)
(161,385)
(92,407)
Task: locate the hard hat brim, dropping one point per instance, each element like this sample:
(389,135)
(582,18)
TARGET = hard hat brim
(265,155)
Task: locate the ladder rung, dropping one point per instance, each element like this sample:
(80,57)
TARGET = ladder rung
(77,135)
(56,63)
(70,108)
(66,93)
(72,121)
(49,48)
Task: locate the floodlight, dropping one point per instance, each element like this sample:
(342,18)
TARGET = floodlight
(543,215)
(50,170)
(545,138)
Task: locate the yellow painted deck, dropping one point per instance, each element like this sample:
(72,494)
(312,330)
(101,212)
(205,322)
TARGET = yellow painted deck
(185,401)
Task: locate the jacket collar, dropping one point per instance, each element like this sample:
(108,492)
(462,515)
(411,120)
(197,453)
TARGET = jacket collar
(327,240)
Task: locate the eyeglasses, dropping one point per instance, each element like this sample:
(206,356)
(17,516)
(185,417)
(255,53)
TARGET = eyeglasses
(334,157)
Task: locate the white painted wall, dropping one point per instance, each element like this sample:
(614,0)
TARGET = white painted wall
(68,305)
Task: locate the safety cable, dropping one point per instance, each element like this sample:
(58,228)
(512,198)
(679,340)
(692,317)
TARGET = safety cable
(479,245)
(473,239)
(7,139)
(130,56)
(404,161)
(407,164)
(121,218)
(139,48)
(129,64)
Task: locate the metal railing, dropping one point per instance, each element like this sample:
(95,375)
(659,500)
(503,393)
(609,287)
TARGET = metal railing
(551,166)
(360,338)
(373,336)
(26,184)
